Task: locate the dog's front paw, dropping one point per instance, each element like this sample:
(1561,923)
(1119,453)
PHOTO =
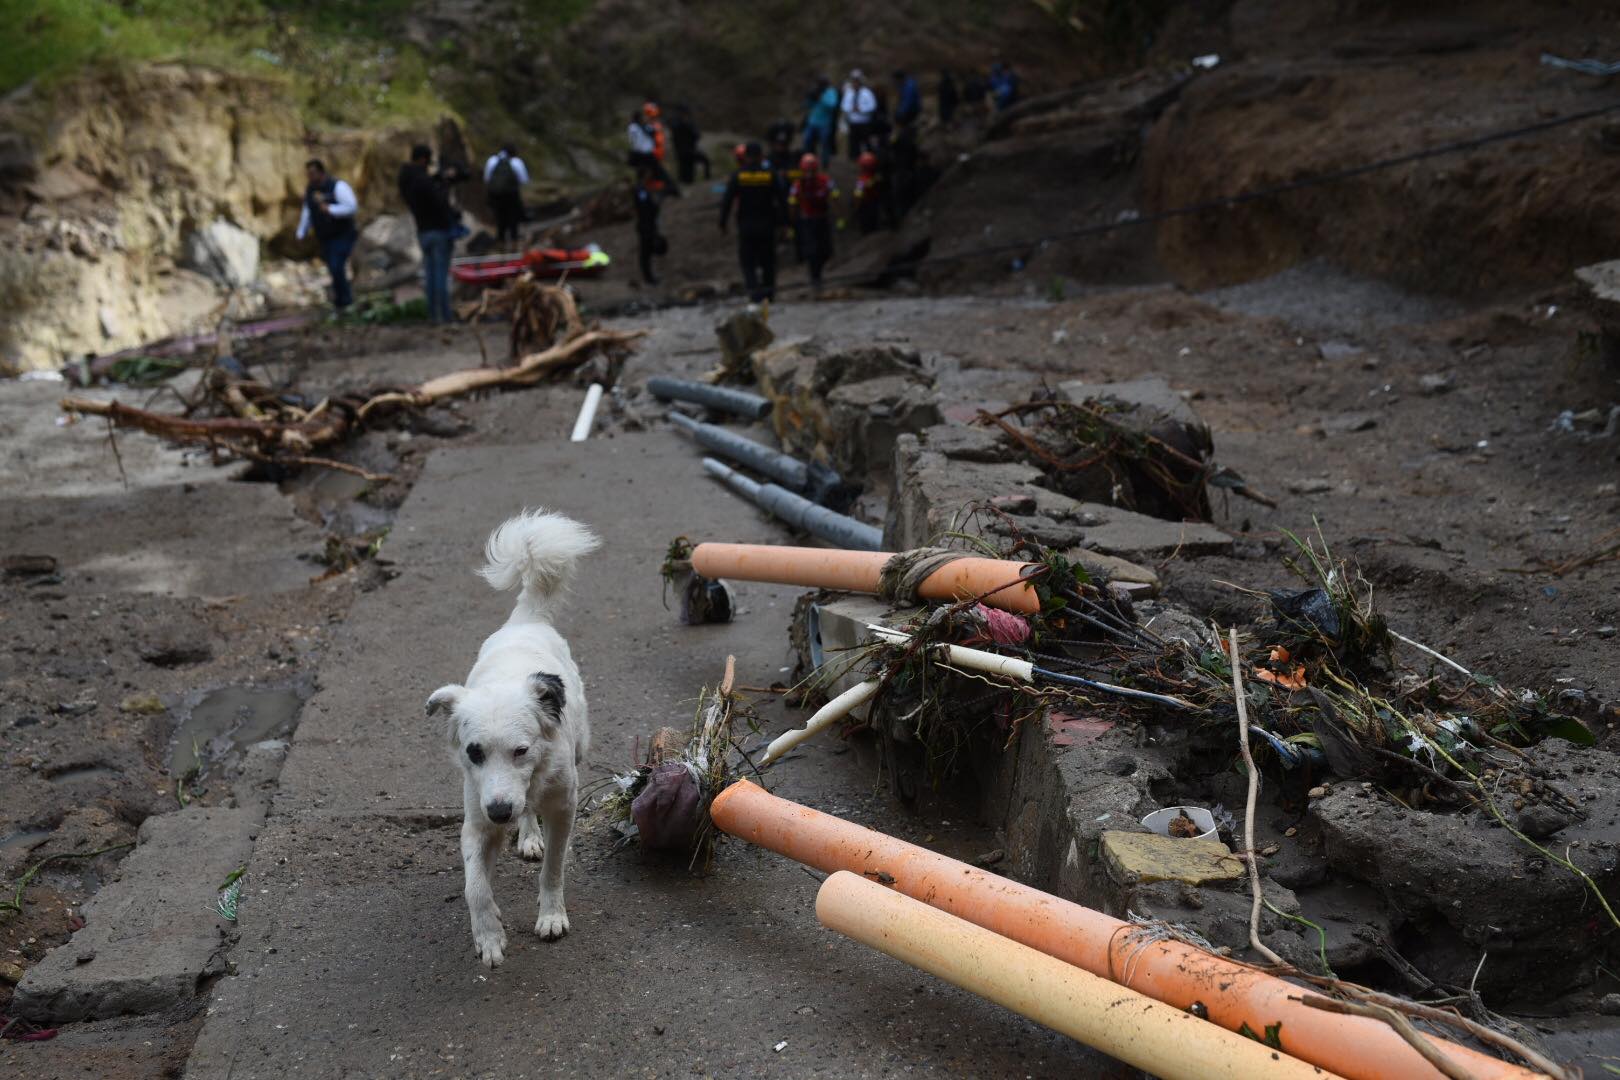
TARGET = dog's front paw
(552,925)
(491,945)
(531,845)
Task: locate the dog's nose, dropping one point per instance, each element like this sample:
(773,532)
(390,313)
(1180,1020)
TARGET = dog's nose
(499,812)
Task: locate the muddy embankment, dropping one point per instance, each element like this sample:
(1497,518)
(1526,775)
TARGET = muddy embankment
(1306,94)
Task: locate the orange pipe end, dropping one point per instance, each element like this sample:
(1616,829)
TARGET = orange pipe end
(860,571)
(1158,1038)
(1169,971)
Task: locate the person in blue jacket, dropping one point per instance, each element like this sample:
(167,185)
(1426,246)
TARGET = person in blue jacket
(908,99)
(1003,86)
(821,119)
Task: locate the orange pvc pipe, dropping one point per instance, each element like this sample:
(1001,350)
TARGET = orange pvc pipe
(1155,1037)
(859,571)
(1169,971)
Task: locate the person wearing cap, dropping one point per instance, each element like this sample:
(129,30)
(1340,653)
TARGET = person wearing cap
(860,106)
(811,200)
(761,212)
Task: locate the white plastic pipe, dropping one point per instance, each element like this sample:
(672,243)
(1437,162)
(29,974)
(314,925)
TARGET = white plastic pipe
(825,717)
(587,413)
(962,656)
(1157,1038)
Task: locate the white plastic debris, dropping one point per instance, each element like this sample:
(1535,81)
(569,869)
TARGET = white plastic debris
(1207,61)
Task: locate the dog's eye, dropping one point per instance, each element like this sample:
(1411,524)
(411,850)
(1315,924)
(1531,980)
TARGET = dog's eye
(475,753)
(520,751)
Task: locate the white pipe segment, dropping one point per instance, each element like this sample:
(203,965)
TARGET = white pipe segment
(825,717)
(587,413)
(962,656)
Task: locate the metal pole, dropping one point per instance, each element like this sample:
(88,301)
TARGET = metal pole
(723,398)
(798,511)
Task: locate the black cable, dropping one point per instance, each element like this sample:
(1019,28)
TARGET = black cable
(1226,201)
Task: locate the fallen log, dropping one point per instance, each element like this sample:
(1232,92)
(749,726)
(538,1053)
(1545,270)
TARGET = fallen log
(291,437)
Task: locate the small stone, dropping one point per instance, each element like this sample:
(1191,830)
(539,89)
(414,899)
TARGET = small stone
(1439,382)
(11,974)
(1607,491)
(1014,504)
(1609,1005)
(142,705)
(1316,792)
(1313,486)
(1291,831)
(1604,631)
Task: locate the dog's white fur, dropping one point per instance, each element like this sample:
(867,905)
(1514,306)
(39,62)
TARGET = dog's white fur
(518,729)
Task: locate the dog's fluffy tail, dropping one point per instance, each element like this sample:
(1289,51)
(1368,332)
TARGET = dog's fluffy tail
(537,550)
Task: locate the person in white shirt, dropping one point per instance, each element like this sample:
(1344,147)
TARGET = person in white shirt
(860,106)
(329,210)
(504,178)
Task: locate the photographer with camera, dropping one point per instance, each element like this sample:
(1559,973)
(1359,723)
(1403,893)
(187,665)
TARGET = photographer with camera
(427,195)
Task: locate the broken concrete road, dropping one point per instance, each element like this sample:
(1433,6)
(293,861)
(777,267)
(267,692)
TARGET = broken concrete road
(151,938)
(355,957)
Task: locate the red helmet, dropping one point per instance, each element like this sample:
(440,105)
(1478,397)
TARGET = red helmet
(740,152)
(650,110)
(867,160)
(809,164)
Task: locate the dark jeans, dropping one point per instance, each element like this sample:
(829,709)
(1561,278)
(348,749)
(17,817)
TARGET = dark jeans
(815,235)
(507,206)
(857,139)
(688,163)
(819,141)
(335,254)
(436,247)
(756,251)
(646,244)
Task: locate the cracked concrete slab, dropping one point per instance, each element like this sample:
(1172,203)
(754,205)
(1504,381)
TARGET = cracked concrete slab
(151,937)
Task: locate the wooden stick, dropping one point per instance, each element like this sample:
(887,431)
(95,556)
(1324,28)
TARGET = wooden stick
(1403,1027)
(1248,817)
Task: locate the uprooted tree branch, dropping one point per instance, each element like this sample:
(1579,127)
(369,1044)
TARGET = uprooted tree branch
(260,422)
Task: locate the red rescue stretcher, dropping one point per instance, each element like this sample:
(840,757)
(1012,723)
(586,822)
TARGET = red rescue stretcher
(587,261)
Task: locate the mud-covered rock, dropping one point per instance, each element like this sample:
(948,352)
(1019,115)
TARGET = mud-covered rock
(846,409)
(1471,885)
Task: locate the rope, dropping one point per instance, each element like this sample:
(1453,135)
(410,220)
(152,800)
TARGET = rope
(905,572)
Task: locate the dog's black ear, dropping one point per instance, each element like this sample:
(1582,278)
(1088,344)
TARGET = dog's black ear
(550,696)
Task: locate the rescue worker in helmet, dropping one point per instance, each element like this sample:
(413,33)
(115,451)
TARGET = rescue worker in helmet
(811,198)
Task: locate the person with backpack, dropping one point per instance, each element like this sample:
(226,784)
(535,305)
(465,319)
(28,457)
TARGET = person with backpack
(428,197)
(504,178)
(329,210)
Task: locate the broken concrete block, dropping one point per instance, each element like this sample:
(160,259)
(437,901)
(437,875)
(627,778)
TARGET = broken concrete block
(742,334)
(1111,568)
(845,409)
(152,935)
(1134,858)
(835,625)
(1112,530)
(1600,298)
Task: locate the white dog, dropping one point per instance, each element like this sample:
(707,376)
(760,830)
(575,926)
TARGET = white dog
(518,729)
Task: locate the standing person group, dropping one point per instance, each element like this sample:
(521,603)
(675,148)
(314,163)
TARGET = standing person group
(505,176)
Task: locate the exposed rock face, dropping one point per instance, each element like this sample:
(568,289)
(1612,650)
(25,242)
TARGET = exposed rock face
(224,254)
(110,183)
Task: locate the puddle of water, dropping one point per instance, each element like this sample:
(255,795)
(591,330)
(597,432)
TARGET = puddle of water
(24,838)
(232,717)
